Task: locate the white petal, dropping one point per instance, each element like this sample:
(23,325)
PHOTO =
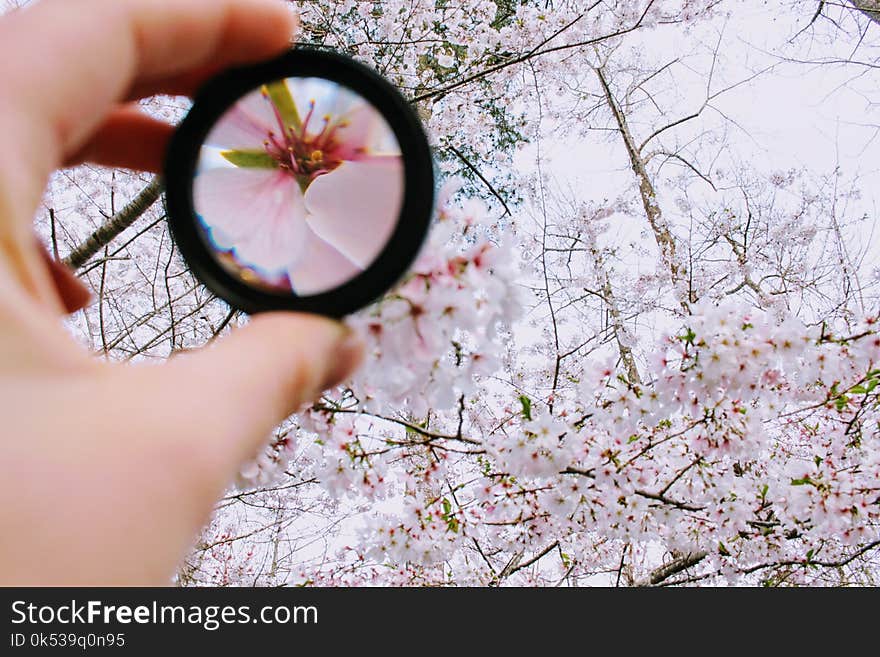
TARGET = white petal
(321,267)
(258,213)
(362,133)
(355,208)
(331,99)
(246,125)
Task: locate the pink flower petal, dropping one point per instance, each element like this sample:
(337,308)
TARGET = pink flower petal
(257,213)
(330,99)
(363,132)
(246,125)
(355,207)
(321,268)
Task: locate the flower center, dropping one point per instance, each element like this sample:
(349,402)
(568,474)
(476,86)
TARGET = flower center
(302,154)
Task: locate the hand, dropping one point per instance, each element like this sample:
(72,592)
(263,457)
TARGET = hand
(107,472)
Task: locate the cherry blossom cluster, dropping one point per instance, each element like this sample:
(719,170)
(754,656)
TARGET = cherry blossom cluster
(428,342)
(752,445)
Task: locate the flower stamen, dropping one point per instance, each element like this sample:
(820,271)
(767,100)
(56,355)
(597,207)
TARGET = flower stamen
(300,154)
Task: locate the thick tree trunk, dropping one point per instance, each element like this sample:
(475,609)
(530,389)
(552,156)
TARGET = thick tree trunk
(662,234)
(626,354)
(616,319)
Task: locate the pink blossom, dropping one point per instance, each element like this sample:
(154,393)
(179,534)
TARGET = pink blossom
(304,199)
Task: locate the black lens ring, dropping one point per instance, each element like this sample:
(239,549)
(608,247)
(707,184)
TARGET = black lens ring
(216,97)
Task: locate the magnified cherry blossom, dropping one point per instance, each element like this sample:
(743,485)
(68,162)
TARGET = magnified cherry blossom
(299,186)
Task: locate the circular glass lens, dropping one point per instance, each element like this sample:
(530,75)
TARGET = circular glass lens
(299,186)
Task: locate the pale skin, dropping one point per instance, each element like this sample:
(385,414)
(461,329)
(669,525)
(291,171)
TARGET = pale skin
(108,471)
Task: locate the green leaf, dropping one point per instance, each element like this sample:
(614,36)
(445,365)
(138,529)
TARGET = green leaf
(526,407)
(250,159)
(451,521)
(858,390)
(283,101)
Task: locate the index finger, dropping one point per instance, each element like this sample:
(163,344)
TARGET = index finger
(79,57)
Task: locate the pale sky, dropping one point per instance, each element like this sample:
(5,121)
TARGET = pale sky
(798,115)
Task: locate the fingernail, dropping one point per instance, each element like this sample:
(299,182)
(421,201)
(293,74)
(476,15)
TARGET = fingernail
(347,356)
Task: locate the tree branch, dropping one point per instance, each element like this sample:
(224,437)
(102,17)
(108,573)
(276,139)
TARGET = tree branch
(665,572)
(107,232)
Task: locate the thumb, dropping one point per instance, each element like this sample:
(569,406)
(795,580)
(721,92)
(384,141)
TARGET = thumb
(235,391)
